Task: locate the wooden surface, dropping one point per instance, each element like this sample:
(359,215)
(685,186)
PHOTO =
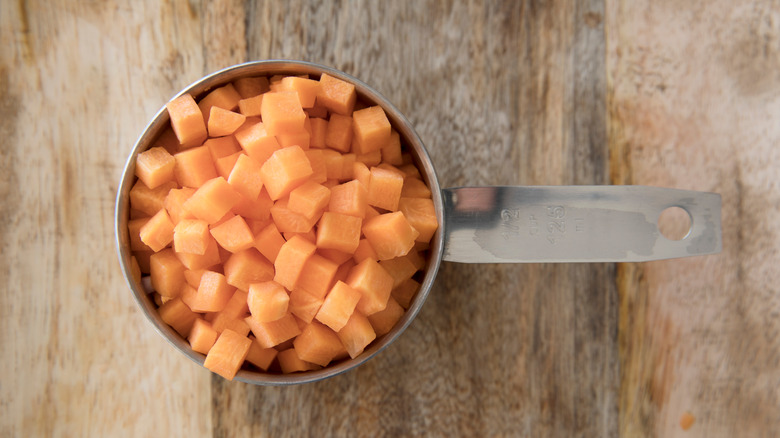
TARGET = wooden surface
(661,93)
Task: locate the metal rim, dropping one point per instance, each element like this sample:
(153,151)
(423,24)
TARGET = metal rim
(265,68)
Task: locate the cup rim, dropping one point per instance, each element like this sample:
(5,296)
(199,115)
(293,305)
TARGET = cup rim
(410,139)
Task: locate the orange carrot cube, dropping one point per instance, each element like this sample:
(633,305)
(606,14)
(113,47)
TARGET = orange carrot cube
(289,263)
(373,282)
(285,170)
(391,151)
(191,236)
(415,188)
(361,173)
(157,232)
(390,235)
(247,267)
(212,200)
(196,261)
(194,167)
(319,129)
(257,142)
(228,354)
(168,141)
(233,235)
(339,231)
(405,292)
(383,321)
(334,163)
(134,228)
(289,221)
(384,189)
(251,106)
(421,215)
(317,344)
(167,273)
(225,97)
(149,201)
(273,333)
(212,295)
(155,167)
(334,255)
(187,121)
(267,301)
(259,356)
(371,129)
(309,199)
(319,171)
(370,159)
(356,334)
(307,89)
(202,336)
(236,309)
(174,204)
(282,112)
(304,305)
(252,86)
(224,165)
(347,167)
(317,275)
(338,134)
(364,251)
(257,210)
(400,268)
(223,122)
(338,306)
(301,139)
(349,198)
(193,276)
(177,315)
(290,362)
(269,241)
(336,95)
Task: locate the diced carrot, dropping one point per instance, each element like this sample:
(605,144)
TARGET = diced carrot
(384,189)
(400,268)
(339,231)
(259,356)
(304,305)
(228,354)
(269,241)
(310,236)
(338,306)
(307,89)
(421,215)
(364,251)
(338,134)
(222,147)
(417,258)
(167,273)
(257,210)
(319,128)
(289,263)
(405,292)
(191,236)
(344,269)
(236,309)
(253,86)
(187,121)
(288,221)
(356,334)
(410,170)
(370,159)
(134,228)
(317,275)
(207,260)
(371,212)
(290,362)
(373,282)
(390,235)
(391,151)
(143,258)
(319,171)
(371,129)
(267,301)
(177,315)
(224,165)
(251,106)
(273,333)
(285,170)
(155,167)
(247,267)
(347,167)
(336,95)
(149,201)
(157,232)
(349,198)
(334,163)
(361,173)
(282,112)
(194,167)
(223,122)
(212,295)
(202,336)
(390,167)
(309,199)
(318,111)
(234,235)
(168,141)
(212,200)
(225,97)
(415,188)
(192,277)
(334,255)
(317,344)
(174,204)
(257,142)
(299,138)
(383,321)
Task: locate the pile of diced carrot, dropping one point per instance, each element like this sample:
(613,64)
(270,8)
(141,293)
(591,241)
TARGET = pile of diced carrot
(282,223)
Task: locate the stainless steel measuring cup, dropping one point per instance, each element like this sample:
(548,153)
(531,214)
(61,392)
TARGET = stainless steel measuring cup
(500,224)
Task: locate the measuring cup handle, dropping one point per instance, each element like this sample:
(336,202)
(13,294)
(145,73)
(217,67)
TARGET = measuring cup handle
(516,224)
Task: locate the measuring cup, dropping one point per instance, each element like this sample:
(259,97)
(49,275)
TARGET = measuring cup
(499,224)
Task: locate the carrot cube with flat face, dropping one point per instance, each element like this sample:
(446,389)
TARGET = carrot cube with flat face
(251,106)
(273,333)
(282,112)
(390,235)
(236,309)
(289,362)
(174,204)
(284,171)
(384,188)
(194,167)
(339,231)
(336,95)
(405,292)
(228,353)
(191,236)
(317,344)
(157,232)
(338,306)
(374,284)
(202,336)
(212,294)
(149,201)
(167,273)
(288,221)
(317,275)
(223,122)
(319,127)
(155,167)
(309,199)
(421,215)
(307,89)
(234,234)
(224,165)
(267,301)
(349,198)
(196,261)
(291,259)
(364,251)
(338,134)
(177,315)
(356,334)
(134,228)
(391,152)
(252,86)
(187,121)
(384,320)
(269,241)
(415,188)
(222,147)
(257,142)
(400,268)
(304,305)
(225,97)
(212,200)
(259,356)
(247,267)
(371,129)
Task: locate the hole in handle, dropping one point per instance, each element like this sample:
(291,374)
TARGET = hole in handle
(675,223)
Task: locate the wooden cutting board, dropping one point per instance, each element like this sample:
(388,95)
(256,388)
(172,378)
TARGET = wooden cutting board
(592,92)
